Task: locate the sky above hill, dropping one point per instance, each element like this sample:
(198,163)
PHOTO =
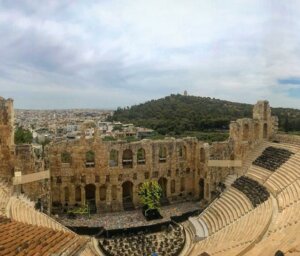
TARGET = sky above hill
(106,53)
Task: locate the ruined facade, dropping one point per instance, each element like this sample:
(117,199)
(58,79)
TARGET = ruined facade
(107,175)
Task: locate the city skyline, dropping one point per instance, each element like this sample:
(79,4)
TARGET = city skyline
(106,54)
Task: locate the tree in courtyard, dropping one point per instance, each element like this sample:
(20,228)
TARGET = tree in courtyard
(150,193)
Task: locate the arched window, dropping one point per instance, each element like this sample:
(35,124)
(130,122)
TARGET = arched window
(182,184)
(173,186)
(113,158)
(66,157)
(103,193)
(162,154)
(78,194)
(90,159)
(67,194)
(202,155)
(246,132)
(256,131)
(182,152)
(127,158)
(265,131)
(141,156)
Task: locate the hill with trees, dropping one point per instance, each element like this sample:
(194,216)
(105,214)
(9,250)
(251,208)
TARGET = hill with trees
(183,115)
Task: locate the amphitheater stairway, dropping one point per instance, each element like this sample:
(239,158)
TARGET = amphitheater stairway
(236,228)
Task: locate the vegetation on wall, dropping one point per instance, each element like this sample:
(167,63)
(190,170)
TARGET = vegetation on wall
(23,136)
(177,114)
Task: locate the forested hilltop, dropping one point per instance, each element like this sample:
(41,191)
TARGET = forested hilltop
(178,114)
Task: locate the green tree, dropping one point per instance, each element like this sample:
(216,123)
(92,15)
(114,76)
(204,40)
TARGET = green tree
(22,136)
(150,193)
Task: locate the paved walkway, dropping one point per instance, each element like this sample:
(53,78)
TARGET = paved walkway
(128,219)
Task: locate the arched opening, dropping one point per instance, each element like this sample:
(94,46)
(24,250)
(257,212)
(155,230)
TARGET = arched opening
(265,110)
(163,182)
(113,158)
(162,154)
(102,193)
(67,194)
(256,131)
(246,132)
(265,132)
(127,195)
(202,155)
(173,186)
(201,189)
(78,194)
(90,197)
(90,159)
(141,156)
(182,184)
(182,152)
(127,158)
(65,157)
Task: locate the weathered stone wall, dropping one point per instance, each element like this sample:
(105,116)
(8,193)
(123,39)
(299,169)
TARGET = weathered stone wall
(181,169)
(6,139)
(27,162)
(176,171)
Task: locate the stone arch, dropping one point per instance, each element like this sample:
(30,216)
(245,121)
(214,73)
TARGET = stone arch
(90,197)
(256,131)
(173,186)
(265,131)
(102,192)
(66,194)
(246,132)
(182,152)
(201,188)
(162,154)
(78,194)
(127,195)
(127,159)
(66,157)
(163,183)
(90,158)
(113,158)
(182,184)
(202,155)
(141,156)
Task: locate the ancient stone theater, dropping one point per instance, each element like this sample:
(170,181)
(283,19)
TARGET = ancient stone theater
(247,189)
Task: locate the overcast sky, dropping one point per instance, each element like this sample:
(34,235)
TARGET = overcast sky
(105,54)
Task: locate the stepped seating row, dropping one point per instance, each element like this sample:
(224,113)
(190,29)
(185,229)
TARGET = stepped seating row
(289,196)
(256,192)
(257,173)
(272,158)
(24,212)
(283,234)
(239,235)
(231,206)
(285,175)
(4,198)
(18,239)
(169,242)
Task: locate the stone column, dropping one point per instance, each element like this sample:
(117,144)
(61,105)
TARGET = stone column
(135,197)
(72,195)
(97,197)
(108,196)
(82,195)
(207,194)
(169,194)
